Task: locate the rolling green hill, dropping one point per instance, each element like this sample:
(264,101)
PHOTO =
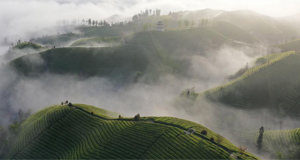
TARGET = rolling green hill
(95,42)
(273,84)
(87,132)
(234,32)
(121,63)
(27,45)
(151,53)
(57,40)
(202,14)
(191,41)
(291,45)
(275,142)
(263,27)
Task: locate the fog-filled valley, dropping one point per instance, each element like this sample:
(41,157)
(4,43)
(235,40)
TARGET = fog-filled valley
(148,80)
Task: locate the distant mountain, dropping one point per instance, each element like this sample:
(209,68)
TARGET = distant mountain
(260,26)
(201,14)
(292,21)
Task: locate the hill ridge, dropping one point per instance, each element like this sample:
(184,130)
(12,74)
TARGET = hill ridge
(168,122)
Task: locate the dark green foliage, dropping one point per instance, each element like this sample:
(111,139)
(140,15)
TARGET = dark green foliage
(137,117)
(204,132)
(27,45)
(260,139)
(118,63)
(57,40)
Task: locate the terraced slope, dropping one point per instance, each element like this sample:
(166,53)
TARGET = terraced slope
(263,27)
(119,62)
(234,32)
(27,45)
(275,84)
(95,42)
(292,45)
(286,142)
(62,132)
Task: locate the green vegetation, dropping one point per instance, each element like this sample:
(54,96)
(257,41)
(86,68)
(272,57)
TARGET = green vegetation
(263,27)
(292,45)
(274,85)
(62,132)
(27,45)
(59,40)
(234,32)
(121,63)
(104,31)
(284,143)
(94,42)
(151,53)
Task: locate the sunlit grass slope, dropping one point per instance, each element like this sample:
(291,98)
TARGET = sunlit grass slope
(62,132)
(27,45)
(274,84)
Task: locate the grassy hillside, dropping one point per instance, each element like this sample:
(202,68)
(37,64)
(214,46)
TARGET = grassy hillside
(151,53)
(95,42)
(121,63)
(62,132)
(202,14)
(104,31)
(292,45)
(234,32)
(57,40)
(191,41)
(263,27)
(273,84)
(275,142)
(27,45)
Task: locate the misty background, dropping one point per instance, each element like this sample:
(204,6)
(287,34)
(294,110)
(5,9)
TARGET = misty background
(34,18)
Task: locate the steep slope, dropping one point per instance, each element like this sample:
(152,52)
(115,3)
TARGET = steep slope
(274,84)
(263,27)
(284,142)
(86,132)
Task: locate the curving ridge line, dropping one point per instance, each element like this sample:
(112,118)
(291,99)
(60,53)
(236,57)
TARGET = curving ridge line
(177,126)
(162,123)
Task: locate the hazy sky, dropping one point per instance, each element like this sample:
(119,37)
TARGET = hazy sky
(19,15)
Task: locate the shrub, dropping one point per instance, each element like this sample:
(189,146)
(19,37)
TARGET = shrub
(219,139)
(137,117)
(92,113)
(70,104)
(242,149)
(212,139)
(204,132)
